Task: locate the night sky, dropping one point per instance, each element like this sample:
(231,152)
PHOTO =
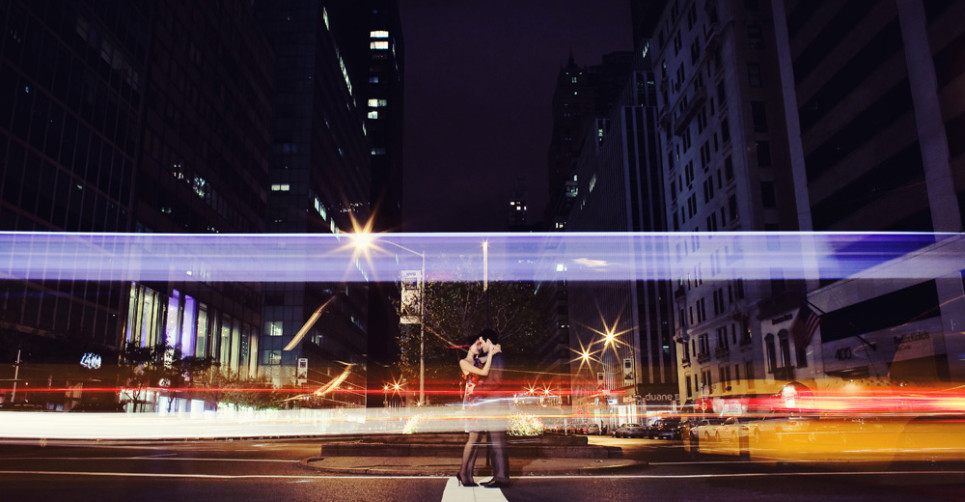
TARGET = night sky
(479,83)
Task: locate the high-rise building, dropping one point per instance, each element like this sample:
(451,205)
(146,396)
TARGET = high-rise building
(121,119)
(202,168)
(625,326)
(74,80)
(320,182)
(875,114)
(518,209)
(384,120)
(724,152)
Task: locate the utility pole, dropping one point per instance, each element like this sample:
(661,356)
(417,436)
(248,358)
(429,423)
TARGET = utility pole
(16,375)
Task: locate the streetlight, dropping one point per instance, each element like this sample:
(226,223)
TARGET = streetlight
(364,240)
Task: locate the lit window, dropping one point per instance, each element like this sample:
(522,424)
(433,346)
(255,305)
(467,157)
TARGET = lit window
(379,44)
(573,80)
(374,79)
(373,114)
(275,328)
(281,187)
(379,34)
(376,103)
(378,151)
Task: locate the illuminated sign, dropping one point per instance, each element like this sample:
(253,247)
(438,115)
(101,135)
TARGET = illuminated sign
(91,361)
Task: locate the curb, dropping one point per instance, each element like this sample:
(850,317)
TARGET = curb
(306,463)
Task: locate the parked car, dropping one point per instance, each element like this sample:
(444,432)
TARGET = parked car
(630,431)
(591,429)
(665,428)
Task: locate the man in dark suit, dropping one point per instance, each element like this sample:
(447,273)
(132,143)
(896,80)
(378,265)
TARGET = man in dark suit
(496,406)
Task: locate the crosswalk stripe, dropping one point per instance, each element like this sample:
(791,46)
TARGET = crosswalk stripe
(456,493)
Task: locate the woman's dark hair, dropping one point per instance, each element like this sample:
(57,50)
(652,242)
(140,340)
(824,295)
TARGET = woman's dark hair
(469,340)
(489,334)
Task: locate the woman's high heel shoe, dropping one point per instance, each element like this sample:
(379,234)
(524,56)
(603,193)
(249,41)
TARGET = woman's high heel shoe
(463,483)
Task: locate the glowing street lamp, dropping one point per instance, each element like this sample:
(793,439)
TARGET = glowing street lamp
(363,240)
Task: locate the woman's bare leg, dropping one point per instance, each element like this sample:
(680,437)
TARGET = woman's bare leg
(469,457)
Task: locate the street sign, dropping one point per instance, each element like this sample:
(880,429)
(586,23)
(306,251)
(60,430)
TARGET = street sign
(410,291)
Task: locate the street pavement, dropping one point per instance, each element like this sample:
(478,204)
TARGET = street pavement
(269,470)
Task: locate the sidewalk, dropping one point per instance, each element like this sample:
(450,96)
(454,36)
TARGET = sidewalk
(442,466)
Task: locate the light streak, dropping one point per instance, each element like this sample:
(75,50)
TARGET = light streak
(510,256)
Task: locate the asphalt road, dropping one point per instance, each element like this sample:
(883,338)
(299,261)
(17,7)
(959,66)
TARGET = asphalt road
(268,470)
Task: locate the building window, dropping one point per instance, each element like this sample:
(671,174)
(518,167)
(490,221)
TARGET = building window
(763,153)
(373,114)
(755,36)
(280,187)
(728,168)
(759,114)
(378,151)
(768,199)
(771,352)
(379,44)
(275,328)
(378,103)
(753,74)
(785,349)
(378,34)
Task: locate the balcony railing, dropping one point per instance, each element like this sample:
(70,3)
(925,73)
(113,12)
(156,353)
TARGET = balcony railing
(721,352)
(703,357)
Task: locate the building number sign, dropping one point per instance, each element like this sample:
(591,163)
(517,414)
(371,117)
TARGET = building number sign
(91,361)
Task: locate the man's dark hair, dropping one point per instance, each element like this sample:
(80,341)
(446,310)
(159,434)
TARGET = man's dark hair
(489,334)
(470,339)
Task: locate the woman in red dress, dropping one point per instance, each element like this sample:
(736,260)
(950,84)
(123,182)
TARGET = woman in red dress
(474,369)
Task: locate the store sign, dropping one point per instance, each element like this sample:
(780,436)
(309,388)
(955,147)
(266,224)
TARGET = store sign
(91,361)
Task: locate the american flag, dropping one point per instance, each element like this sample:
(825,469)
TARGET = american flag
(804,326)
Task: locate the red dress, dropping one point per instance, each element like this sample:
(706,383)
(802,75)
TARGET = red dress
(469,398)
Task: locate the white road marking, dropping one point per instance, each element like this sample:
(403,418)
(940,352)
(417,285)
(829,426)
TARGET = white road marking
(456,493)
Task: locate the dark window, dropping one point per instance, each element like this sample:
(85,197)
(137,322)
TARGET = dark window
(755,36)
(801,14)
(955,135)
(759,114)
(763,153)
(910,304)
(728,169)
(842,24)
(753,74)
(950,61)
(767,194)
(855,71)
(902,171)
(868,123)
(724,131)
